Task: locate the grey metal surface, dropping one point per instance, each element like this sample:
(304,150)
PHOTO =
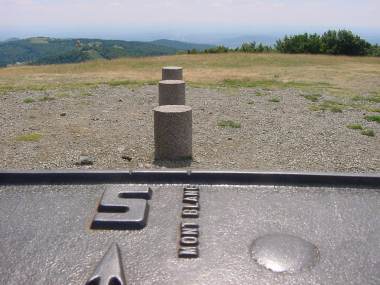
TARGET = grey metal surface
(284,253)
(109,270)
(46,236)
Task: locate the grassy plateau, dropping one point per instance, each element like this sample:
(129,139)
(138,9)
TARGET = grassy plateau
(341,75)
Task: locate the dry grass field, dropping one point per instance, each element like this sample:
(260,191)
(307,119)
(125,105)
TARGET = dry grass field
(339,75)
(250,111)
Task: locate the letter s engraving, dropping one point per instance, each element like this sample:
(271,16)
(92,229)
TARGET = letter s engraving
(123,207)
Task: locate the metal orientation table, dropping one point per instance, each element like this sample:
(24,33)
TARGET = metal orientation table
(188,227)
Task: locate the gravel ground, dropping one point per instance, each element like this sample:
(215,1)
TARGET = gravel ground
(114,126)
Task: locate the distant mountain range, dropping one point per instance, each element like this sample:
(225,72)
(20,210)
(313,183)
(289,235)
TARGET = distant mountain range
(235,42)
(45,50)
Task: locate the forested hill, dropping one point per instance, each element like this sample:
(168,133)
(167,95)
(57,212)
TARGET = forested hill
(44,50)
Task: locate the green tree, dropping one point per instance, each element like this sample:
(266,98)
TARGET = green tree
(340,42)
(343,42)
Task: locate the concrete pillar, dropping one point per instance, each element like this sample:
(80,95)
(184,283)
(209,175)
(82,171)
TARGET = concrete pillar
(173,132)
(171,92)
(172,73)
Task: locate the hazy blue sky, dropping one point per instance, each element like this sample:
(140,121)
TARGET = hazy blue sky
(82,17)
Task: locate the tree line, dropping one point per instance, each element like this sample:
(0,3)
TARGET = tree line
(342,42)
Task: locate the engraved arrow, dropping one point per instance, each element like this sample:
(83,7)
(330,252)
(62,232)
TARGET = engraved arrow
(109,270)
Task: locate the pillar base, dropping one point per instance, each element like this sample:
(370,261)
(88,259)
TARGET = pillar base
(173,132)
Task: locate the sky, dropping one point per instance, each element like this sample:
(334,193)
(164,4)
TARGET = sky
(115,18)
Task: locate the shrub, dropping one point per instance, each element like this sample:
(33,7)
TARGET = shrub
(373,118)
(28,100)
(374,50)
(355,127)
(46,98)
(328,105)
(218,49)
(229,124)
(253,47)
(368,132)
(32,137)
(312,97)
(274,100)
(192,51)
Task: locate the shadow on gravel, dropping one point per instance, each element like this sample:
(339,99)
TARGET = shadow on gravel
(173,163)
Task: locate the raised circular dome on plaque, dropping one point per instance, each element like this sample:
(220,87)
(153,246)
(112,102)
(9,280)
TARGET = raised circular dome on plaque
(284,253)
